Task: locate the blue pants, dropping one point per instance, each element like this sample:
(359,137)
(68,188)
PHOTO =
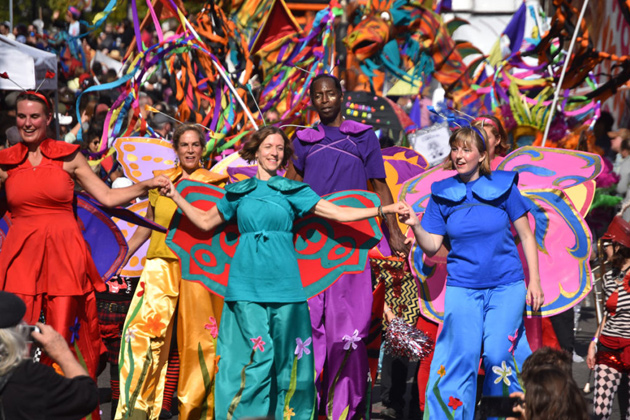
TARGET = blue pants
(472,317)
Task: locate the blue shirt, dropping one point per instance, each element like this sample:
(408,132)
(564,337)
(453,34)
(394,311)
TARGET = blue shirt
(264,267)
(482,248)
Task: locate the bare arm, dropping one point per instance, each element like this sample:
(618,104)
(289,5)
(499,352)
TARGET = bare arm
(592,346)
(535,296)
(337,213)
(139,237)
(430,243)
(204,220)
(397,241)
(78,167)
(56,347)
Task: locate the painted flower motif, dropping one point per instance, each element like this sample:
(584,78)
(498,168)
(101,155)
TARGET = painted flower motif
(503,373)
(258,343)
(302,347)
(212,326)
(441,371)
(454,403)
(130,334)
(513,339)
(50,74)
(351,340)
(75,330)
(141,292)
(155,326)
(4,75)
(216,363)
(288,413)
(57,369)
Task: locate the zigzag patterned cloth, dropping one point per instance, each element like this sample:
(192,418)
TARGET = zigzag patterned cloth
(401,289)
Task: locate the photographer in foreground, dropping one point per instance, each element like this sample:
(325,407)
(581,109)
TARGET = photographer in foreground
(31,390)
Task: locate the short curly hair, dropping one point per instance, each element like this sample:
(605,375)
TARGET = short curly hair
(183,128)
(248,152)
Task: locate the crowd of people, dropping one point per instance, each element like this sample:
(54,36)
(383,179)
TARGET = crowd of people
(267,348)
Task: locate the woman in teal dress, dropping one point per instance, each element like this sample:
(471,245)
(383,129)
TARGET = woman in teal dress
(265,331)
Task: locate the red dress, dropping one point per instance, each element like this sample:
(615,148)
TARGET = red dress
(44,252)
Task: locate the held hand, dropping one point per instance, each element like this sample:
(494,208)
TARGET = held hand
(398,243)
(407,215)
(535,296)
(169,190)
(590,356)
(159,181)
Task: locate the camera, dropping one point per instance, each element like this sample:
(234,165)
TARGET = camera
(496,407)
(31,328)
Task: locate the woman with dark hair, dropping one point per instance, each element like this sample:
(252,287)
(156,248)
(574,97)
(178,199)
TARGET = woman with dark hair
(495,134)
(144,356)
(485,292)
(265,321)
(609,351)
(553,394)
(44,259)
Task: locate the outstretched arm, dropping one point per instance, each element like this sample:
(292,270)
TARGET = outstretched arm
(337,213)
(204,220)
(429,242)
(397,241)
(535,296)
(109,197)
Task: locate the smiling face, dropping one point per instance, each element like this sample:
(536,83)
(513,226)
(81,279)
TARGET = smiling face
(270,153)
(189,151)
(466,160)
(326,99)
(32,119)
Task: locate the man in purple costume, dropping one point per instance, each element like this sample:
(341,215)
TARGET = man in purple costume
(341,155)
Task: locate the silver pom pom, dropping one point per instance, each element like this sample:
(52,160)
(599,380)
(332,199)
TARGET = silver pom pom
(404,340)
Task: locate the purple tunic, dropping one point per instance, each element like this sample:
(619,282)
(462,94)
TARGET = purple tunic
(338,158)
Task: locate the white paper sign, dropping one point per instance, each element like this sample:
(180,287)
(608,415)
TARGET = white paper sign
(431,142)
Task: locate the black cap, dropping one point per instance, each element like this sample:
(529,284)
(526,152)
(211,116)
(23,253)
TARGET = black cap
(12,310)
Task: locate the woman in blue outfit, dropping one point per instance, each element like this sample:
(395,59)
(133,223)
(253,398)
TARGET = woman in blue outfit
(265,329)
(471,214)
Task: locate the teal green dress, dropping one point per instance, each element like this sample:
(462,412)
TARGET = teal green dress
(265,329)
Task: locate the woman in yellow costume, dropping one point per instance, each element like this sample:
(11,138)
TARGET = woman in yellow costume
(149,323)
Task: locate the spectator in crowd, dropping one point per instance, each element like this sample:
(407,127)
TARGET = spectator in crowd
(33,391)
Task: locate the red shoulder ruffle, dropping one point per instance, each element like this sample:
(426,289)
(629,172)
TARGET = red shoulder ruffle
(13,155)
(54,149)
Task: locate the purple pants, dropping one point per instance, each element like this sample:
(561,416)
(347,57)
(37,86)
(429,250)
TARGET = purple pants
(336,313)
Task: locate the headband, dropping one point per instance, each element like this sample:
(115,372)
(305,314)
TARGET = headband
(483,138)
(486,120)
(39,95)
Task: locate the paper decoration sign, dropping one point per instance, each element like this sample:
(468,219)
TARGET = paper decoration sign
(431,142)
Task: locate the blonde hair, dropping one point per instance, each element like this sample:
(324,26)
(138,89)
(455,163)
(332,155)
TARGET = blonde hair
(12,348)
(469,136)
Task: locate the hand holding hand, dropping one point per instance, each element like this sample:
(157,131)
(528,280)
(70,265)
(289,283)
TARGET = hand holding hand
(169,190)
(407,215)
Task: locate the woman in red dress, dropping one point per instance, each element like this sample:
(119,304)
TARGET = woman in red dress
(44,258)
